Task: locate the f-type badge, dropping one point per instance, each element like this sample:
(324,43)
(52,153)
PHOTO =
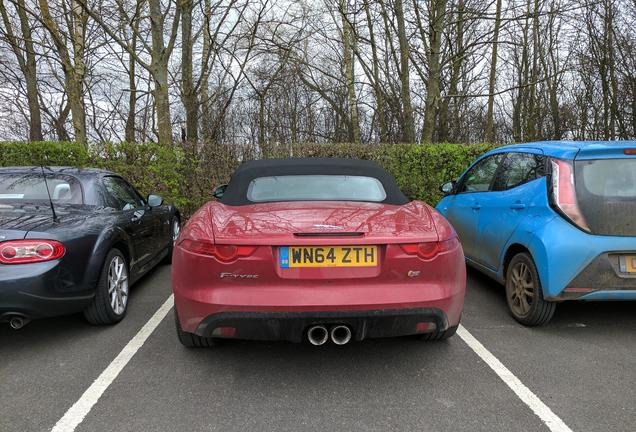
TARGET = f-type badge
(237,276)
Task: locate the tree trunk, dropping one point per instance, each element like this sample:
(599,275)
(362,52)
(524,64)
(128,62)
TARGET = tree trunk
(190,101)
(633,80)
(347,67)
(616,119)
(261,122)
(160,56)
(204,84)
(74,69)
(532,125)
(59,123)
(132,84)
(436,26)
(30,76)
(454,79)
(408,127)
(74,90)
(377,87)
(519,108)
(489,133)
(26,63)
(162,104)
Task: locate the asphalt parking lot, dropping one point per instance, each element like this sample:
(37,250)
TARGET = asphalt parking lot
(581,367)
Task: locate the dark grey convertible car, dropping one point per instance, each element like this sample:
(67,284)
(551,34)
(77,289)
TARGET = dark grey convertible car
(74,240)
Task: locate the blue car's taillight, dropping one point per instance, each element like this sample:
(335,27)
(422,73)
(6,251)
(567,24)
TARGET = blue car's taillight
(564,193)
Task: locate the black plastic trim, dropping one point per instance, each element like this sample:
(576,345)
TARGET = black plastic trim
(292,326)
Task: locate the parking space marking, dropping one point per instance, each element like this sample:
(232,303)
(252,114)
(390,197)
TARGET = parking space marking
(76,414)
(547,416)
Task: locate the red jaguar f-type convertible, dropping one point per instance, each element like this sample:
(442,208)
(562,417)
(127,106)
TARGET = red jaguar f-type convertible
(319,250)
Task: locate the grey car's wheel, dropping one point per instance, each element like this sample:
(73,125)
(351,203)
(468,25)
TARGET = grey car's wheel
(191,340)
(175,230)
(110,303)
(524,293)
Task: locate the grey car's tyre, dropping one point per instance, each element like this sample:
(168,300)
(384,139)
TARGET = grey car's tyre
(175,229)
(524,293)
(191,340)
(439,335)
(110,304)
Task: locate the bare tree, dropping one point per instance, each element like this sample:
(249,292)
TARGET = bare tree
(23,48)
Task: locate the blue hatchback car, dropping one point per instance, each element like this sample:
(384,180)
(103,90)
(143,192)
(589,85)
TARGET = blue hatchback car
(552,221)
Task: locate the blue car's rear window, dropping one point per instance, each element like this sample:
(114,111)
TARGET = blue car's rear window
(606,193)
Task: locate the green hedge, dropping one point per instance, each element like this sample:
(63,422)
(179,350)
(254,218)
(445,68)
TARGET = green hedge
(186,176)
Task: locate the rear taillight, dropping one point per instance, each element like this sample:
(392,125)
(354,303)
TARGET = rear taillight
(429,250)
(30,251)
(224,253)
(564,193)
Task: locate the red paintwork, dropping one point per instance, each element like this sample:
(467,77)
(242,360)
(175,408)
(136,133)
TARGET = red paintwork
(199,290)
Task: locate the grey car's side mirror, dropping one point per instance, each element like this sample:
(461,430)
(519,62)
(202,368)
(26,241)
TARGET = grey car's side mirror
(154,200)
(447,187)
(219,191)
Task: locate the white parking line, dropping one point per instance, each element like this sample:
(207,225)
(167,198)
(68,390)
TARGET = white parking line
(80,409)
(75,415)
(551,420)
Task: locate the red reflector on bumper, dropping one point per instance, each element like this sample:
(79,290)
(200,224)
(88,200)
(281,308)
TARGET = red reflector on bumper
(630,151)
(425,327)
(224,332)
(579,290)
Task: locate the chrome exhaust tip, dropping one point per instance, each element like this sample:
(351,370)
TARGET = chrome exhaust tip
(317,335)
(17,322)
(340,334)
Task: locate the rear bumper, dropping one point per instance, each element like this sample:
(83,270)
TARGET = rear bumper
(604,278)
(292,326)
(39,290)
(270,304)
(573,263)
(254,316)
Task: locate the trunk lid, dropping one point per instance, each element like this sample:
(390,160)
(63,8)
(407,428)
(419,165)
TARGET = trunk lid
(605,183)
(17,221)
(330,222)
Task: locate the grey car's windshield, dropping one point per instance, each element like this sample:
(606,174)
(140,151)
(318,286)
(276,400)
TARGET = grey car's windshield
(31,188)
(315,188)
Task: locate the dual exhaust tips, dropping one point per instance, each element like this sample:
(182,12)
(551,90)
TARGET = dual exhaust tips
(319,335)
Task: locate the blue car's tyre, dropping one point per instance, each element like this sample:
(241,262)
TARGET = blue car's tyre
(524,293)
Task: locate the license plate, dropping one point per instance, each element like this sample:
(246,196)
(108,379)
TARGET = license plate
(328,256)
(628,263)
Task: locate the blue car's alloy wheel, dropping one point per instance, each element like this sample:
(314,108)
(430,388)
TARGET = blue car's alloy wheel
(524,293)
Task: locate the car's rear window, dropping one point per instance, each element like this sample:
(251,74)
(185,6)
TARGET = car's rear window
(30,188)
(315,188)
(609,177)
(606,192)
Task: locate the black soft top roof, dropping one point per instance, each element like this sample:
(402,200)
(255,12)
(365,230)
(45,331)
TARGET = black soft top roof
(236,192)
